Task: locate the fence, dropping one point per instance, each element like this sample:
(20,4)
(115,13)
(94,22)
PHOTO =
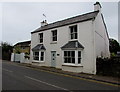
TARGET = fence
(19,58)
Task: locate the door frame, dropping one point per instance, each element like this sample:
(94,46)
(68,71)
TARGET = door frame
(53,65)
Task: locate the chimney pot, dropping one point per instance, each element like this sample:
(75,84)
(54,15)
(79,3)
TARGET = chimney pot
(43,23)
(97,6)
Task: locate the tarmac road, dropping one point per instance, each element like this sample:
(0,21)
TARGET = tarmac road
(16,77)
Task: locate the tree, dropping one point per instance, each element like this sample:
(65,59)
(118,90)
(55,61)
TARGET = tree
(6,50)
(114,46)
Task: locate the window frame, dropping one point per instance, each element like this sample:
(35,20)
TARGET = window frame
(73,35)
(54,36)
(79,57)
(39,56)
(35,55)
(69,56)
(76,58)
(42,56)
(40,38)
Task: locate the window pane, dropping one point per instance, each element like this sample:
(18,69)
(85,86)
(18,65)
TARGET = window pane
(55,38)
(42,53)
(71,36)
(36,53)
(36,58)
(75,29)
(54,35)
(41,40)
(71,30)
(73,60)
(79,60)
(65,53)
(41,58)
(55,32)
(73,54)
(41,37)
(69,60)
(75,36)
(68,53)
(79,54)
(65,60)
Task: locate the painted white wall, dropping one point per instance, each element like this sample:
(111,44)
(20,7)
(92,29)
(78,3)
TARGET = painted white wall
(91,34)
(85,37)
(101,38)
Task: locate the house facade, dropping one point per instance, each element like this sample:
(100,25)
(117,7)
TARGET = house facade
(72,44)
(22,47)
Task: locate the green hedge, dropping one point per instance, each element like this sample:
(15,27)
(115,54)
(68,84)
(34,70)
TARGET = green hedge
(108,67)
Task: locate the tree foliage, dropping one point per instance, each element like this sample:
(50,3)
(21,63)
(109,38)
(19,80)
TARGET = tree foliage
(6,50)
(114,46)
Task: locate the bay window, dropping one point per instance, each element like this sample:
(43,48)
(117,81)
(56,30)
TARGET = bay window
(38,55)
(72,57)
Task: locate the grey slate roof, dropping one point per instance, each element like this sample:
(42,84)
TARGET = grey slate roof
(68,21)
(72,45)
(38,47)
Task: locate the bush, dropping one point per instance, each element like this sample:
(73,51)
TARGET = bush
(108,67)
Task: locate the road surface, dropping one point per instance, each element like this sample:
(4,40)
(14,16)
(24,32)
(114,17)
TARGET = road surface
(17,77)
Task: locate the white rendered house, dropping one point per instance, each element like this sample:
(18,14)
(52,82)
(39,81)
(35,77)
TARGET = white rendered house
(72,44)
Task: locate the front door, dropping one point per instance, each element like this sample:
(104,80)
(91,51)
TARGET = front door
(53,58)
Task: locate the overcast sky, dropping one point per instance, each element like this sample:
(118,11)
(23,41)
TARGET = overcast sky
(19,19)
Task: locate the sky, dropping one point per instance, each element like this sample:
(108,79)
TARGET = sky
(19,19)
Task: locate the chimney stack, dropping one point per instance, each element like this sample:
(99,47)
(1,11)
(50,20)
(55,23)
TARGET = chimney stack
(43,23)
(97,7)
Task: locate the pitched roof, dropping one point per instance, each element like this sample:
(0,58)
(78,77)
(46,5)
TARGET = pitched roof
(39,47)
(68,21)
(25,43)
(72,45)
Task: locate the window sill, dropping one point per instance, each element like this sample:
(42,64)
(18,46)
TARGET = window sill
(73,40)
(72,65)
(35,61)
(54,42)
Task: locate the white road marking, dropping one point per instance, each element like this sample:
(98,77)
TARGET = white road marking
(47,83)
(6,70)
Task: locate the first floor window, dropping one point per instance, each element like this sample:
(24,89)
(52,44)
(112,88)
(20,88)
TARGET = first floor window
(72,57)
(69,57)
(36,55)
(54,35)
(42,56)
(73,32)
(41,37)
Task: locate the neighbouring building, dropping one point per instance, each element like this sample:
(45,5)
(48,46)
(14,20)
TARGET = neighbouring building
(22,47)
(72,44)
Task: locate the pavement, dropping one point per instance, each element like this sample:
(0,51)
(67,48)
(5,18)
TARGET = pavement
(106,79)
(17,76)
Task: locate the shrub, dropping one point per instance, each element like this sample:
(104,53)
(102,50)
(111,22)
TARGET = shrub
(108,67)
